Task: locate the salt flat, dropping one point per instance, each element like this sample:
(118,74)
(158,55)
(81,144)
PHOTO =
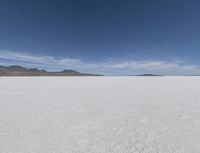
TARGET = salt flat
(100,114)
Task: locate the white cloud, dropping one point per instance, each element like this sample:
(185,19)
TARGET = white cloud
(31,58)
(163,67)
(127,67)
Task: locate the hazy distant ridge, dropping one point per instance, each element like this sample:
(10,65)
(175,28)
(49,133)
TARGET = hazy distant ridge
(16,70)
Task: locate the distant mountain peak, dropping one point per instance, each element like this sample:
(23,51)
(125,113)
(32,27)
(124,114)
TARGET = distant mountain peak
(69,71)
(15,67)
(149,74)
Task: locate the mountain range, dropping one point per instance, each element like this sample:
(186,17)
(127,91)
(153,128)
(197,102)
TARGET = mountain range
(16,70)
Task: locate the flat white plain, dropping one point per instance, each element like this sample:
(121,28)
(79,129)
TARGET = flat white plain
(100,114)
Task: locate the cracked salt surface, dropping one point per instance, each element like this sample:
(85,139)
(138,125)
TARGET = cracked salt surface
(99,115)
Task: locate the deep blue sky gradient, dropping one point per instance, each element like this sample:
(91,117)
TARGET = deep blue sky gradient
(103,30)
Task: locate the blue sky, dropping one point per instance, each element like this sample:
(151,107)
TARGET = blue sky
(102,36)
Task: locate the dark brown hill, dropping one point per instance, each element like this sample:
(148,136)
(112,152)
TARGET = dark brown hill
(16,70)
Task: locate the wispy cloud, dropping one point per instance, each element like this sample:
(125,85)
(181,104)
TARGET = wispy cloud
(45,61)
(160,67)
(126,67)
